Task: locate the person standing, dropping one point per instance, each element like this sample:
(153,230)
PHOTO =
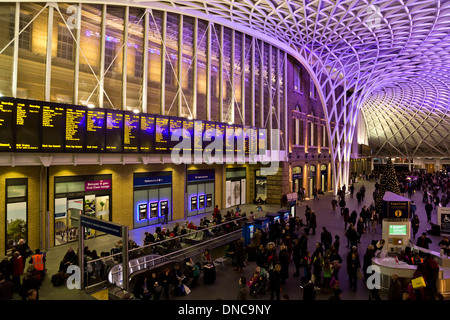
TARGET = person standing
(353,265)
(415,223)
(6,288)
(413,209)
(17,269)
(38,261)
(243,289)
(428,209)
(326,238)
(423,241)
(346,216)
(275,282)
(313,222)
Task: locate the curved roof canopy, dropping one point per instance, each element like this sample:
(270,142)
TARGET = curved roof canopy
(393,55)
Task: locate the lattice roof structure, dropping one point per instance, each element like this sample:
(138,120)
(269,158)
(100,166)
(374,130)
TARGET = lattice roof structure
(392,55)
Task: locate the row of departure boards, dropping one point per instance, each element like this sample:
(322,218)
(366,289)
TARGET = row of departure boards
(37,126)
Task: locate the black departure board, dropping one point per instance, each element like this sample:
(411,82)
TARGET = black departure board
(209,133)
(229,139)
(28,124)
(147,134)
(53,118)
(262,141)
(175,124)
(130,131)
(95,130)
(7,108)
(198,136)
(251,140)
(114,131)
(220,136)
(188,132)
(239,139)
(161,133)
(75,129)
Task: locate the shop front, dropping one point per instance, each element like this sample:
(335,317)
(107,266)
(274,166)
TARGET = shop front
(312,179)
(200,191)
(152,195)
(235,185)
(260,186)
(297,179)
(78,195)
(324,178)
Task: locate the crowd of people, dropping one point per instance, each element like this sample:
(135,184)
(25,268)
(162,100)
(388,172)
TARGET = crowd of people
(16,277)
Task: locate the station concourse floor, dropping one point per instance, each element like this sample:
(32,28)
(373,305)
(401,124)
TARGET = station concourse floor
(225,286)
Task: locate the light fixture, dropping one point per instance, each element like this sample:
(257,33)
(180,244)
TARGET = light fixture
(230,123)
(136,110)
(190,118)
(90,105)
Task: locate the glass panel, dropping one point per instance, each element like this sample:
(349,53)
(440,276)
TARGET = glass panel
(172,64)
(113,57)
(258,67)
(32,52)
(188,53)
(7,13)
(16,191)
(89,54)
(67,187)
(227,89)
(16,224)
(201,69)
(154,62)
(248,80)
(215,82)
(63,45)
(134,60)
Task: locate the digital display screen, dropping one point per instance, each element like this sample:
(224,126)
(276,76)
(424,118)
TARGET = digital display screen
(147,134)
(201,201)
(142,207)
(193,203)
(397,230)
(209,200)
(95,130)
(220,134)
(208,135)
(153,209)
(188,131)
(229,139)
(198,136)
(251,140)
(114,131)
(163,205)
(28,123)
(175,124)
(239,139)
(262,141)
(6,125)
(53,117)
(75,129)
(161,133)
(131,132)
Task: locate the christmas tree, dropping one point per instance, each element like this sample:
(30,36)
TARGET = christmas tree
(388,182)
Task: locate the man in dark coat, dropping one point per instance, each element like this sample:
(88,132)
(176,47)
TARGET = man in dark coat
(428,209)
(326,238)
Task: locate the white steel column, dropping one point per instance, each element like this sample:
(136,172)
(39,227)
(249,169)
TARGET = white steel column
(76,73)
(48,57)
(243,79)
(145,62)
(180,67)
(261,83)
(208,72)
(232,77)
(221,80)
(125,57)
(194,70)
(163,63)
(15,66)
(102,58)
(285,98)
(252,79)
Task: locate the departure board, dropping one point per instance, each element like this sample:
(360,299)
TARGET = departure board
(209,136)
(114,131)
(53,117)
(7,125)
(251,140)
(147,133)
(198,136)
(229,139)
(220,134)
(161,133)
(130,131)
(75,129)
(95,130)
(188,132)
(262,141)
(174,125)
(28,124)
(239,139)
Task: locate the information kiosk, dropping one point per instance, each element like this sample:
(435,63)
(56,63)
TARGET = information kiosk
(247,232)
(396,223)
(284,214)
(262,223)
(273,217)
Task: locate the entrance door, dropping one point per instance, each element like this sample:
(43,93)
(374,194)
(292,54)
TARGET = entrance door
(74,210)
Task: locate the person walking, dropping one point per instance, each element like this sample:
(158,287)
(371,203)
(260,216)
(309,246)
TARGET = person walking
(244,290)
(353,266)
(428,209)
(346,216)
(313,222)
(395,288)
(275,282)
(424,241)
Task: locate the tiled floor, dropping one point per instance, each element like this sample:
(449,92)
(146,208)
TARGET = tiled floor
(226,284)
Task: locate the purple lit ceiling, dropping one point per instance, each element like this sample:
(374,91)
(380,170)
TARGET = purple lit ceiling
(394,54)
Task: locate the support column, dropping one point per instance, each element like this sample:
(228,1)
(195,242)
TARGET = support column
(15,67)
(194,70)
(243,115)
(221,82)
(208,72)
(76,73)
(180,67)
(125,57)
(48,57)
(144,85)
(102,58)
(163,63)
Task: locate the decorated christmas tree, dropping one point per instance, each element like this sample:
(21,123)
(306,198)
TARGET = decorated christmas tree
(388,182)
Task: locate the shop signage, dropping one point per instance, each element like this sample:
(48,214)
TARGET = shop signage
(444,220)
(97,185)
(395,206)
(204,176)
(297,176)
(152,181)
(101,225)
